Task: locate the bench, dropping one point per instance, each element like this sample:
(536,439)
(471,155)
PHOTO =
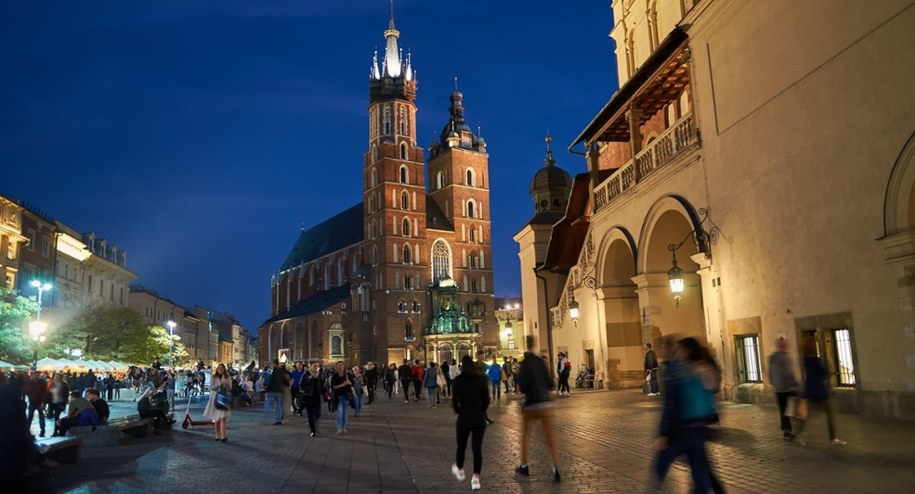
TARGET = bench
(133,425)
(61,449)
(98,436)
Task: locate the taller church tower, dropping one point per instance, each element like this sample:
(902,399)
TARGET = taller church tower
(394,200)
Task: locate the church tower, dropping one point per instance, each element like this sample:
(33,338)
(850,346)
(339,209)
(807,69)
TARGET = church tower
(459,188)
(394,201)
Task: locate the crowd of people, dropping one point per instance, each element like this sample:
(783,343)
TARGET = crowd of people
(682,372)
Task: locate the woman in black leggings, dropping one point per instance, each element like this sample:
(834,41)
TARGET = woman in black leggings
(470,399)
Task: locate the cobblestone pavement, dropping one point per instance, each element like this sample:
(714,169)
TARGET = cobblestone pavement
(393,447)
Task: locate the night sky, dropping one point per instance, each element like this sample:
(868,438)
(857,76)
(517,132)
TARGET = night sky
(199,136)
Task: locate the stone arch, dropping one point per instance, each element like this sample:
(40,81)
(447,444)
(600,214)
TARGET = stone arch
(616,258)
(899,202)
(668,221)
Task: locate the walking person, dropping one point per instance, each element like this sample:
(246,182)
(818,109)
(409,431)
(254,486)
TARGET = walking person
(430,383)
(277,389)
(781,376)
(296,377)
(445,372)
(219,382)
(651,370)
(470,399)
(404,374)
(507,374)
(390,380)
(816,392)
(371,380)
(535,382)
(564,370)
(689,408)
(416,373)
(312,389)
(37,391)
(358,389)
(494,373)
(343,389)
(60,394)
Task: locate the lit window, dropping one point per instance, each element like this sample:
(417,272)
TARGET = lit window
(748,368)
(843,363)
(441,261)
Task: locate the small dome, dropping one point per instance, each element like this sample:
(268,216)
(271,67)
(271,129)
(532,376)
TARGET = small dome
(551,177)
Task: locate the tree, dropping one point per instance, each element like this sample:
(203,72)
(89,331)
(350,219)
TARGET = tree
(156,343)
(15,312)
(102,332)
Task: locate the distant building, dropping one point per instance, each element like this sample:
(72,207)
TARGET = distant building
(11,242)
(510,315)
(407,272)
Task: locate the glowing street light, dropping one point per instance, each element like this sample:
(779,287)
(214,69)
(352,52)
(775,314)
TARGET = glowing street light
(171,343)
(42,287)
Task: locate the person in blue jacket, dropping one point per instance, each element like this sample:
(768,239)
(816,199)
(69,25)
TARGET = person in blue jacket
(494,373)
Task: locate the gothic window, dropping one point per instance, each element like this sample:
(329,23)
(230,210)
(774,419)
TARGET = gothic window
(408,282)
(340,272)
(374,255)
(470,209)
(402,307)
(408,330)
(374,229)
(327,276)
(470,177)
(416,307)
(374,172)
(473,285)
(474,260)
(440,180)
(404,200)
(387,120)
(374,159)
(441,261)
(314,341)
(406,227)
(336,345)
(403,175)
(403,150)
(403,122)
(407,255)
(473,234)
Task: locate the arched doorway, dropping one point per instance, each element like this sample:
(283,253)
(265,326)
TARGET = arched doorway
(445,353)
(672,221)
(619,298)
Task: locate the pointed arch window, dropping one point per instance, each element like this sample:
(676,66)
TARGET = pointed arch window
(404,200)
(327,276)
(441,261)
(387,120)
(408,331)
(470,177)
(340,271)
(403,150)
(374,181)
(406,227)
(404,175)
(374,255)
(440,180)
(403,121)
(473,234)
(407,255)
(474,260)
(374,229)
(470,209)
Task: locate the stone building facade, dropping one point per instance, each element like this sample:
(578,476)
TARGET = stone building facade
(765,150)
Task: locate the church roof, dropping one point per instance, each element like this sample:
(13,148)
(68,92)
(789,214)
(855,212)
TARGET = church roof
(314,304)
(436,218)
(546,218)
(329,236)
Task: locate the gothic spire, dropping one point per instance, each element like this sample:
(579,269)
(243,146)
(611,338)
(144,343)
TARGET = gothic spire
(391,52)
(549,151)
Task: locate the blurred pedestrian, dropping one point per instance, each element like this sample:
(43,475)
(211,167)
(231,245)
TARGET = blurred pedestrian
(277,389)
(430,383)
(651,370)
(564,369)
(312,388)
(816,392)
(470,399)
(219,382)
(535,382)
(781,376)
(343,390)
(358,389)
(371,380)
(494,374)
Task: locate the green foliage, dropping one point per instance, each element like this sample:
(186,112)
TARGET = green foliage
(15,312)
(115,333)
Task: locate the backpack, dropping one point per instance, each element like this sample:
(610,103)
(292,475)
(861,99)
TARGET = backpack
(696,401)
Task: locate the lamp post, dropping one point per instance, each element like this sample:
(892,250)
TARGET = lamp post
(703,241)
(171,343)
(36,327)
(42,287)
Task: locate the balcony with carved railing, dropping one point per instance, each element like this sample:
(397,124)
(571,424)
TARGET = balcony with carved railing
(670,145)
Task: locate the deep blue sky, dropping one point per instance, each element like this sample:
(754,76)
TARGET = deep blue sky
(200,135)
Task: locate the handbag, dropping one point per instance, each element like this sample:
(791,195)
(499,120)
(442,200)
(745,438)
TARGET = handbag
(223,402)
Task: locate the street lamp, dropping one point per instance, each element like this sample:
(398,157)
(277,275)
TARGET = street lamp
(171,343)
(36,331)
(42,287)
(703,241)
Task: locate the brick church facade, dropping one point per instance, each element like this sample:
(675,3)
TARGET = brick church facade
(406,273)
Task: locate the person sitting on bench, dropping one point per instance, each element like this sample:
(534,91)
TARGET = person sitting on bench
(81,417)
(149,406)
(100,405)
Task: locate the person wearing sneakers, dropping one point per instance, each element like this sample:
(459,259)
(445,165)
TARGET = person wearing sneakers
(470,399)
(816,392)
(535,382)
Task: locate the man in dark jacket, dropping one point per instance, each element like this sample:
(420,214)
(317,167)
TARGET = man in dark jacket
(535,382)
(470,401)
(277,389)
(403,374)
(101,406)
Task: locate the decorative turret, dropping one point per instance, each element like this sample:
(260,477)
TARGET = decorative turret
(456,133)
(551,185)
(395,79)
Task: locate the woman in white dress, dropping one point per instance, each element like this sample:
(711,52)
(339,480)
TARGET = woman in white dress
(220,381)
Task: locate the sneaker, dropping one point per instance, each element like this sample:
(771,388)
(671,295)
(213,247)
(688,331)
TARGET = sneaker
(313,434)
(799,441)
(556,476)
(475,484)
(278,423)
(457,472)
(523,470)
(788,436)
(837,442)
